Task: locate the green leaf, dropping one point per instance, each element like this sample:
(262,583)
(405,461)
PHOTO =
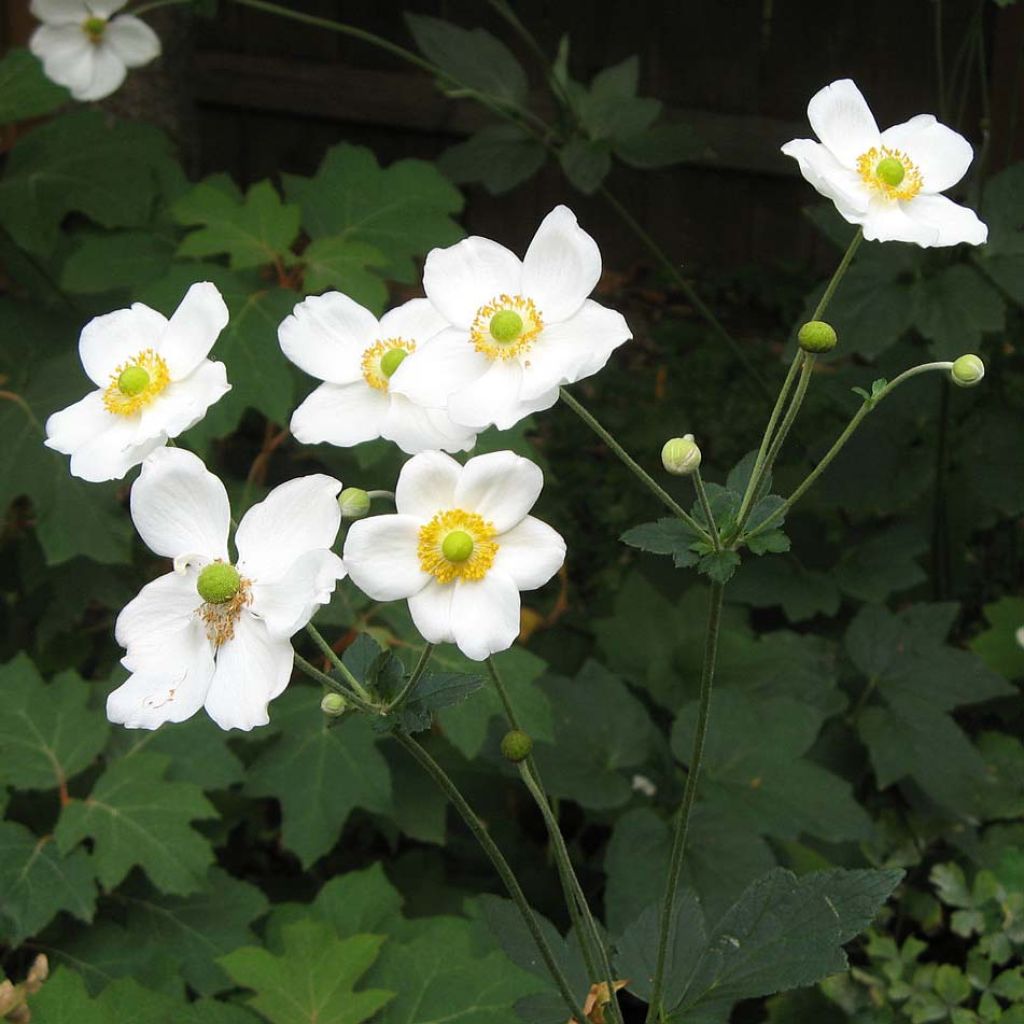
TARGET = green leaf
(102,263)
(359,901)
(662,145)
(998,645)
(499,157)
(320,770)
(585,163)
(48,734)
(955,308)
(719,565)
(611,108)
(313,981)
(403,210)
(25,91)
(37,882)
(136,817)
(668,536)
(341,263)
(254,232)
(884,564)
(802,593)
(1002,208)
(435,691)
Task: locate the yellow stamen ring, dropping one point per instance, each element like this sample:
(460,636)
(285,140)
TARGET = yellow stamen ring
(382,358)
(505,327)
(890,173)
(457,545)
(136,383)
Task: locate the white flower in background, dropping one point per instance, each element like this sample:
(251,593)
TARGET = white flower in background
(83,47)
(215,633)
(356,355)
(154,382)
(1019,636)
(889,181)
(520,328)
(460,548)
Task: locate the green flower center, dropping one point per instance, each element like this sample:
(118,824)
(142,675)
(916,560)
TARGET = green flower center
(94,28)
(890,170)
(457,546)
(218,583)
(505,326)
(392,360)
(132,381)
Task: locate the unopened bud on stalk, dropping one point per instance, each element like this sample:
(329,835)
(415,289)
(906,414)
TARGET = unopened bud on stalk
(354,502)
(817,336)
(333,705)
(680,456)
(967,371)
(516,746)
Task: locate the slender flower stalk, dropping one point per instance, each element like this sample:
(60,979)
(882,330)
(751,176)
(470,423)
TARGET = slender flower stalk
(840,272)
(414,678)
(331,655)
(332,684)
(702,497)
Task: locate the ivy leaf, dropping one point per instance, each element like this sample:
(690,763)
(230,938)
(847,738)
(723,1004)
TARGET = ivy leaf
(342,264)
(37,882)
(48,734)
(313,980)
(135,817)
(25,91)
(320,770)
(667,536)
(499,157)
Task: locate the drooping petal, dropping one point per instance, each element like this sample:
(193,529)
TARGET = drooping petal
(162,609)
(485,615)
(530,553)
(179,507)
(437,370)
(830,178)
(890,222)
(184,403)
(492,398)
(566,352)
(70,428)
(500,486)
(381,559)
(110,454)
(114,338)
(295,517)
(465,276)
(193,328)
(415,429)
(252,669)
(561,267)
(431,611)
(108,74)
(416,320)
(939,153)
(288,603)
(66,53)
(954,223)
(841,118)
(426,485)
(326,335)
(60,12)
(132,40)
(340,414)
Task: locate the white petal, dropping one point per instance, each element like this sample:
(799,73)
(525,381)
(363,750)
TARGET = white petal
(252,669)
(485,615)
(416,320)
(530,553)
(380,556)
(427,485)
(566,352)
(112,453)
(431,611)
(500,486)
(940,154)
(58,12)
(179,507)
(108,73)
(66,53)
(841,118)
(132,40)
(561,267)
(341,414)
(114,338)
(288,603)
(160,611)
(193,328)
(415,429)
(891,222)
(493,398)
(105,8)
(295,517)
(465,276)
(184,403)
(435,371)
(832,180)
(953,223)
(326,336)
(70,428)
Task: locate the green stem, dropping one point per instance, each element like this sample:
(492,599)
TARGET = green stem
(414,678)
(385,495)
(702,497)
(634,466)
(332,684)
(837,447)
(707,677)
(480,833)
(844,264)
(330,654)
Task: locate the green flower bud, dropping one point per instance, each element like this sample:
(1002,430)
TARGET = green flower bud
(516,746)
(333,705)
(354,502)
(506,326)
(392,360)
(817,336)
(890,170)
(457,546)
(218,583)
(967,371)
(680,456)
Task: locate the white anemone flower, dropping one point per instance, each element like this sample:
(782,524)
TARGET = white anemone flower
(520,328)
(888,182)
(153,382)
(215,633)
(335,339)
(460,548)
(88,50)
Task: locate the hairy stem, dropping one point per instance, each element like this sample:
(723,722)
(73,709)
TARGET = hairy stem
(702,497)
(331,655)
(332,684)
(414,678)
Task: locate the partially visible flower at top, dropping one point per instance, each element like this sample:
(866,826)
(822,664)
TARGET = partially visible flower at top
(213,632)
(153,382)
(460,548)
(520,328)
(356,355)
(888,182)
(88,50)
(1019,636)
